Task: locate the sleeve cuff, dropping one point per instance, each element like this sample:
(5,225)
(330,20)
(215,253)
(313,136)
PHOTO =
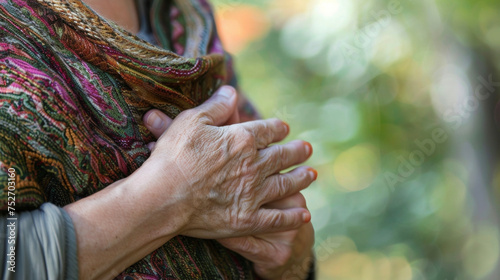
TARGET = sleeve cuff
(45,245)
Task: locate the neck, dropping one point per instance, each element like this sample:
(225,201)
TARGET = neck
(122,12)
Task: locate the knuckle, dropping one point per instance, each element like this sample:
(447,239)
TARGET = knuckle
(245,139)
(248,137)
(282,185)
(245,245)
(189,114)
(246,192)
(263,140)
(268,135)
(249,247)
(277,220)
(234,224)
(281,156)
(240,222)
(201,116)
(248,173)
(191,119)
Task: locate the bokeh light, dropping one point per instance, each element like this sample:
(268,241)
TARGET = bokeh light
(369,83)
(356,168)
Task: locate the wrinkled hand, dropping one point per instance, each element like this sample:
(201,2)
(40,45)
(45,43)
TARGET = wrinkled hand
(278,255)
(225,174)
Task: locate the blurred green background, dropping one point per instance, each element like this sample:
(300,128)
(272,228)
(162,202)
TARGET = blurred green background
(398,99)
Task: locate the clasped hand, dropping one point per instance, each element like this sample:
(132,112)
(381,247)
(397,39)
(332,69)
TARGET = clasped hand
(228,180)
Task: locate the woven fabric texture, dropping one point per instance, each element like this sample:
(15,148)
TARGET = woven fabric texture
(73,90)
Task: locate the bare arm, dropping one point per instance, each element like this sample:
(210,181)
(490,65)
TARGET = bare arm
(281,255)
(229,172)
(113,228)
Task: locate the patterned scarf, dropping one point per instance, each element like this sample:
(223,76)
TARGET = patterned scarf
(73,90)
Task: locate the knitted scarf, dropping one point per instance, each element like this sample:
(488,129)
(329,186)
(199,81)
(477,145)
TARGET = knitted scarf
(73,90)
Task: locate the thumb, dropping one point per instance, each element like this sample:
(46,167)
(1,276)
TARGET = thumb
(234,119)
(220,107)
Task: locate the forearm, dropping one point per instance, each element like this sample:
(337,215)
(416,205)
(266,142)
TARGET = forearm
(115,227)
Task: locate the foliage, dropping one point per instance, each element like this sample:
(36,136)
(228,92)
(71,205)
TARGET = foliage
(386,91)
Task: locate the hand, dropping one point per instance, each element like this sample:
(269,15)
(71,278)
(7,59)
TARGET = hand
(281,255)
(201,180)
(158,122)
(224,174)
(275,255)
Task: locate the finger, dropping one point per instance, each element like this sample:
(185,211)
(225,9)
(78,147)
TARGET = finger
(279,157)
(267,131)
(151,146)
(253,248)
(295,200)
(280,186)
(219,108)
(247,246)
(274,220)
(234,119)
(157,122)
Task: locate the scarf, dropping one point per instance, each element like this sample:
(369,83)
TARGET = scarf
(73,90)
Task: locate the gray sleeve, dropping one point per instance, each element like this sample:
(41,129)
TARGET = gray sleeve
(39,244)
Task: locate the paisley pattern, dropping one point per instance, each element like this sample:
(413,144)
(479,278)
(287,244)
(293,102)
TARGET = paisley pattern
(73,90)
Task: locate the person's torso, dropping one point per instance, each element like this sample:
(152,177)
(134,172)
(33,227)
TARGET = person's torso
(86,130)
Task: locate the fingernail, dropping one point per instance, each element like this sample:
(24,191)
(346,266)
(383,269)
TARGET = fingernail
(154,120)
(151,146)
(306,217)
(287,127)
(227,92)
(314,173)
(308,148)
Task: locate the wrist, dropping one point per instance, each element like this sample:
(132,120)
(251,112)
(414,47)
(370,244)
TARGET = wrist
(118,226)
(157,189)
(169,193)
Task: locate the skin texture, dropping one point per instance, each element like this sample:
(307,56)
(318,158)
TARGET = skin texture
(126,216)
(280,255)
(122,12)
(229,172)
(237,163)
